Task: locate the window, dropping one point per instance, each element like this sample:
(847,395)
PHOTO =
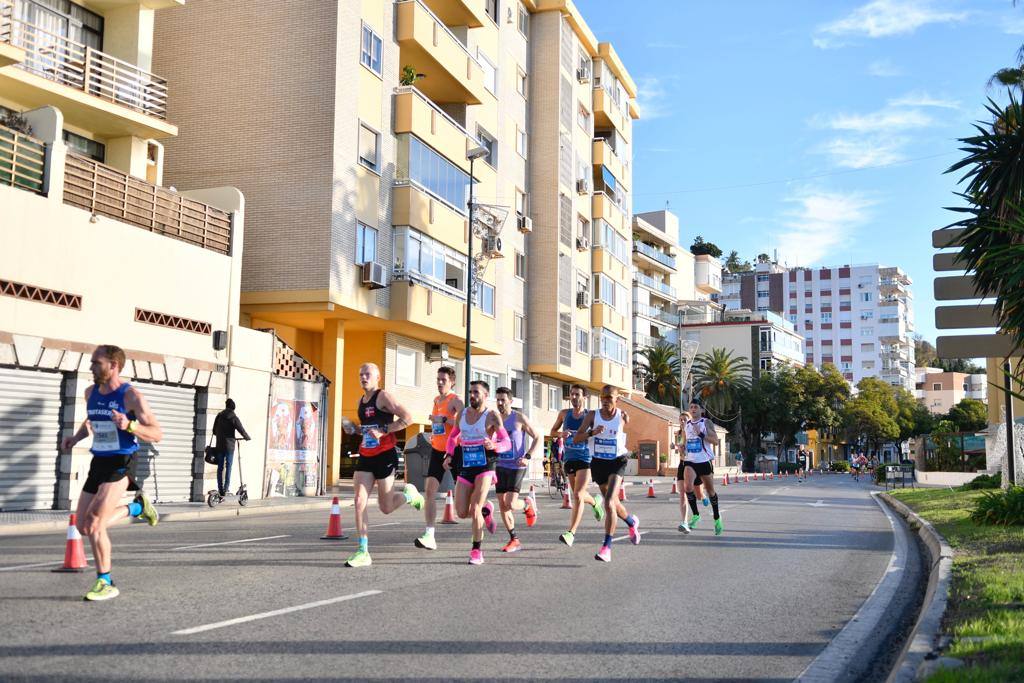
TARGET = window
(522,82)
(62,18)
(519,328)
(867,332)
(554,398)
(762,308)
(865,296)
(867,364)
(522,203)
(406,364)
(491,143)
(493,379)
(485,299)
(491,8)
(521,142)
(766,363)
(538,395)
(582,227)
(516,384)
(792,318)
(610,292)
(826,317)
(429,262)
(366,244)
(520,265)
(867,315)
(583,340)
(762,277)
(845,366)
(96,151)
(490,72)
(867,348)
(762,295)
(369,148)
(418,163)
(524,21)
(610,346)
(608,238)
(371,50)
(583,117)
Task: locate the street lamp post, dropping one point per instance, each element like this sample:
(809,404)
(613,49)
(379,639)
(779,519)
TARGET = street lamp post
(472,155)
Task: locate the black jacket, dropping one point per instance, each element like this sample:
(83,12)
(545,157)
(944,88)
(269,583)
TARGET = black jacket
(224,427)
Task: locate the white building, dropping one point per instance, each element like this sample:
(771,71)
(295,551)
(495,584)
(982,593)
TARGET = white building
(939,390)
(764,338)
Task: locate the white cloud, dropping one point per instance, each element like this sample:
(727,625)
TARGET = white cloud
(876,138)
(819,223)
(864,152)
(920,98)
(652,98)
(881,18)
(882,121)
(883,68)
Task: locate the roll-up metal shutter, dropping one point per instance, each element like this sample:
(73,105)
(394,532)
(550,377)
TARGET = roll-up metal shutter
(164,469)
(30,403)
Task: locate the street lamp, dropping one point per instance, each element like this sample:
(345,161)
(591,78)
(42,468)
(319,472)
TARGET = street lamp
(473,154)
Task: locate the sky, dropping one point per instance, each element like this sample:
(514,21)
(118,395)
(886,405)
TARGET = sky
(818,128)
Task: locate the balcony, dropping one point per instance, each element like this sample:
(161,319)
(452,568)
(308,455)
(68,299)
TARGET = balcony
(416,208)
(604,207)
(605,156)
(416,114)
(459,12)
(451,73)
(607,317)
(95,90)
(655,313)
(105,191)
(425,312)
(656,256)
(655,285)
(22,161)
(607,113)
(604,371)
(708,274)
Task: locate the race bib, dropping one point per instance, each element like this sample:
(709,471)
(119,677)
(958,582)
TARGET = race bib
(437,423)
(104,437)
(369,440)
(473,455)
(577,452)
(694,446)
(605,448)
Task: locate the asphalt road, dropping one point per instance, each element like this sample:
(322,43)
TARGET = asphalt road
(760,602)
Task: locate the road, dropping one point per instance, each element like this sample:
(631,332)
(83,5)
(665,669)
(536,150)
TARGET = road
(760,602)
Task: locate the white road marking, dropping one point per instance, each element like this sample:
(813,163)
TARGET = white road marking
(244,540)
(38,564)
(274,613)
(819,504)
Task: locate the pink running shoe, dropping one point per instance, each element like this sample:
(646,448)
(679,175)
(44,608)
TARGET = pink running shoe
(604,554)
(489,517)
(476,556)
(634,531)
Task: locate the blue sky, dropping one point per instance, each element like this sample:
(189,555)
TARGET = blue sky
(820,129)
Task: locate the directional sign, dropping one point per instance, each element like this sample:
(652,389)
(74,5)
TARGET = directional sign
(974,346)
(965,317)
(954,287)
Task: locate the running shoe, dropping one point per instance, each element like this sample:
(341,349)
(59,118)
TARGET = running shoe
(476,556)
(489,517)
(512,546)
(426,541)
(413,497)
(604,554)
(149,512)
(567,538)
(634,531)
(705,501)
(684,527)
(718,527)
(530,512)
(599,507)
(361,558)
(101,590)
(694,520)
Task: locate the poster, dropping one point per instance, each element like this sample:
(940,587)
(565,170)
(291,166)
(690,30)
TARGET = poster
(293,453)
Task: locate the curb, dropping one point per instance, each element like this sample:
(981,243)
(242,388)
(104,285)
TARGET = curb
(923,645)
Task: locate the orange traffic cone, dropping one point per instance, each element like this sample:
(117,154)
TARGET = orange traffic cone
(334,531)
(566,500)
(449,510)
(746,478)
(675,488)
(725,480)
(74,550)
(764,476)
(650,489)
(531,508)
(622,493)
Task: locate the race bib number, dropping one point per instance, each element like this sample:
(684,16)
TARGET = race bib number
(104,437)
(369,440)
(605,449)
(473,455)
(694,446)
(577,452)
(437,423)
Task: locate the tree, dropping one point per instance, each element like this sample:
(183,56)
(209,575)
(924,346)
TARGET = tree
(948,456)
(960,365)
(702,248)
(659,372)
(924,353)
(718,377)
(871,416)
(969,415)
(825,392)
(734,265)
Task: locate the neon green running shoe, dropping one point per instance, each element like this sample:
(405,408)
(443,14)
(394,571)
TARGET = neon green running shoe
(149,512)
(413,496)
(361,558)
(718,527)
(599,507)
(567,538)
(426,541)
(693,521)
(101,590)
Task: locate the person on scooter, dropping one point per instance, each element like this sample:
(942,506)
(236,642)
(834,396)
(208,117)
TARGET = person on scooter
(225,425)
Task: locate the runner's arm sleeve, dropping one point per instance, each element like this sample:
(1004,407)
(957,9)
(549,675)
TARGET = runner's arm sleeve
(503,443)
(453,440)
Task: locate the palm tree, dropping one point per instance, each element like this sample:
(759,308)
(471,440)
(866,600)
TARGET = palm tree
(718,377)
(659,370)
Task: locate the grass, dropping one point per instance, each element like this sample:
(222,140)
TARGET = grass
(985,614)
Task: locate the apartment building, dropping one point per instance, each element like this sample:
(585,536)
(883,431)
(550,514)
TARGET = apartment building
(764,338)
(939,390)
(354,153)
(93,249)
(859,318)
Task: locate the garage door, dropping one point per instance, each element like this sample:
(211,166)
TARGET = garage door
(165,469)
(29,438)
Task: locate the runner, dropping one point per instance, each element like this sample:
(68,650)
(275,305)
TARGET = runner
(576,462)
(118,416)
(511,467)
(698,487)
(447,405)
(697,462)
(380,417)
(604,428)
(478,430)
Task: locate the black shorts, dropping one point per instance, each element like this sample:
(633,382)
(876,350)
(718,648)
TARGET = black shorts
(510,480)
(700,468)
(436,467)
(381,466)
(601,470)
(469,474)
(106,469)
(574,466)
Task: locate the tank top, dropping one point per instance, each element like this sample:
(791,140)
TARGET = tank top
(472,437)
(107,439)
(441,421)
(611,443)
(510,458)
(372,416)
(697,450)
(572,424)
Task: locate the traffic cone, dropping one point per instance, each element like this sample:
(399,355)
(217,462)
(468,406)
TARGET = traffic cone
(764,476)
(334,531)
(449,510)
(74,550)
(675,488)
(566,500)
(725,480)
(650,489)
(622,493)
(531,509)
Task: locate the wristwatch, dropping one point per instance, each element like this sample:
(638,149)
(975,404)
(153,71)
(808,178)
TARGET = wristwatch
(132,424)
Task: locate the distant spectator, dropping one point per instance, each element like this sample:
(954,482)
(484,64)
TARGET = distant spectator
(225,425)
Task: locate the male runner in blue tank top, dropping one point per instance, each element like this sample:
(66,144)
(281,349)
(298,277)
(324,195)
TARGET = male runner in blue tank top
(118,416)
(511,467)
(576,462)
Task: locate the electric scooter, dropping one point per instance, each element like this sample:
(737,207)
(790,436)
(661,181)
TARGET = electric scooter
(213,498)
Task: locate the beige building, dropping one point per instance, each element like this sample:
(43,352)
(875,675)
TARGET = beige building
(763,338)
(939,391)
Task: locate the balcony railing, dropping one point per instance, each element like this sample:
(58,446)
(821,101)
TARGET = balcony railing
(659,256)
(642,341)
(22,160)
(441,25)
(84,68)
(648,281)
(655,313)
(105,191)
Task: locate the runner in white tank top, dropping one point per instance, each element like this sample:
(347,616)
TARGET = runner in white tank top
(699,436)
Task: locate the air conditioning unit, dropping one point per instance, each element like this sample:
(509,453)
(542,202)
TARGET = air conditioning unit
(492,247)
(582,243)
(583,73)
(437,352)
(582,186)
(525,224)
(583,299)
(373,275)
